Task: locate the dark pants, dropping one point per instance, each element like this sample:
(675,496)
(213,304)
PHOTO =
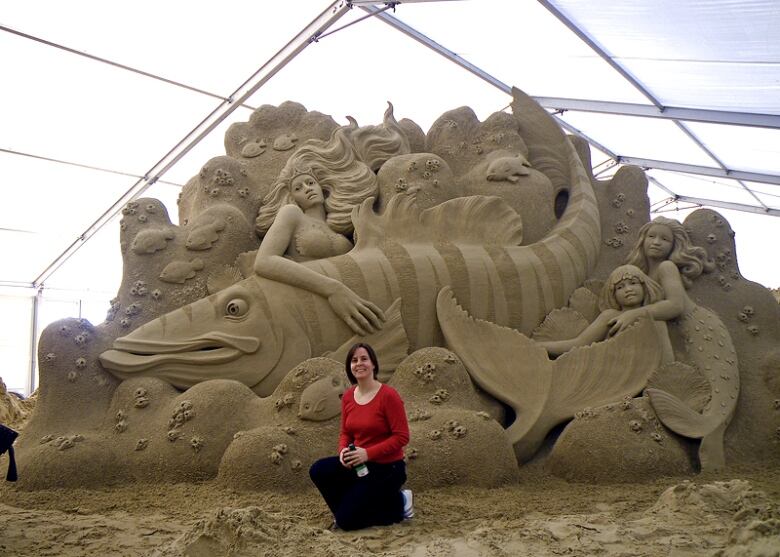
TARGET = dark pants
(373,500)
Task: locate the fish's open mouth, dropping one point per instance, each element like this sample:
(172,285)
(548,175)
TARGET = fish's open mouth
(119,360)
(131,355)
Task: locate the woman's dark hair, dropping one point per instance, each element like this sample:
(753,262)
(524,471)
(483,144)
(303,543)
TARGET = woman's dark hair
(371,356)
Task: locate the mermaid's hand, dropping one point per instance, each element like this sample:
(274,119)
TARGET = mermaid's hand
(620,322)
(362,316)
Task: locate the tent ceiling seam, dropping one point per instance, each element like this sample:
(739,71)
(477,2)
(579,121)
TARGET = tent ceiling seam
(714,157)
(82,165)
(116,64)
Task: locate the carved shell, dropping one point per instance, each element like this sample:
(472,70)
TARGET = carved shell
(594,285)
(560,324)
(683,381)
(585,302)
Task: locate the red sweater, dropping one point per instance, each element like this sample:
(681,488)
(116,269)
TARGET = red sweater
(380,426)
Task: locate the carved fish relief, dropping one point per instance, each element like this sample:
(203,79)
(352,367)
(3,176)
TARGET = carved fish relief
(177,272)
(321,400)
(204,235)
(151,240)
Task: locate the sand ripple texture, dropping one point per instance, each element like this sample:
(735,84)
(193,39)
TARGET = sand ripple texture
(541,516)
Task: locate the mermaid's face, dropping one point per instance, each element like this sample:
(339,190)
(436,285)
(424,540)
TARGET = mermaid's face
(629,293)
(306,191)
(659,242)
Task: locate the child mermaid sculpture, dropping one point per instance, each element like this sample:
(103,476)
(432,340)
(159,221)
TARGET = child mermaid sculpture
(627,288)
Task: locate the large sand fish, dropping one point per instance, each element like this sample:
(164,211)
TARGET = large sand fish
(257,330)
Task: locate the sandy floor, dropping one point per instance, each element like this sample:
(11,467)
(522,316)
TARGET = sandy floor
(540,516)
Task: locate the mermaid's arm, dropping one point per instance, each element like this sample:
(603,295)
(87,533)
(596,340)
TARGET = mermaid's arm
(671,307)
(594,332)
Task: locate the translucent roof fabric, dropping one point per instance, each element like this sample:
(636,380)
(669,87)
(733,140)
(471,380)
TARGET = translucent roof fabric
(714,54)
(90,107)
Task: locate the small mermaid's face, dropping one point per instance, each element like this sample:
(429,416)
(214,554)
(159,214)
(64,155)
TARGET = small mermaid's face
(629,293)
(659,242)
(306,191)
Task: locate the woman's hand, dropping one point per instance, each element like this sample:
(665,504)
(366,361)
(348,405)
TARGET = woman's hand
(353,458)
(621,322)
(341,456)
(362,316)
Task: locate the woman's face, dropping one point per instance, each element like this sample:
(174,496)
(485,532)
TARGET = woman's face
(629,293)
(659,242)
(306,191)
(361,365)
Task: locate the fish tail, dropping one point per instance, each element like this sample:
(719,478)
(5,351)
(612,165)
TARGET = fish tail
(711,454)
(679,417)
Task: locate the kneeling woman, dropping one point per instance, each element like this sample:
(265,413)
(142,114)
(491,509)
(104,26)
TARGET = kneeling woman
(373,434)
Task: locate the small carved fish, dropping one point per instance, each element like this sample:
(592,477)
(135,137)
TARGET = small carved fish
(508,169)
(285,142)
(253,149)
(151,240)
(179,271)
(203,236)
(321,400)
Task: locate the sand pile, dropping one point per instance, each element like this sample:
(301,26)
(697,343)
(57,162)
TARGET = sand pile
(15,411)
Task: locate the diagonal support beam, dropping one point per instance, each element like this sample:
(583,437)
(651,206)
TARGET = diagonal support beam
(771,121)
(468,66)
(308,35)
(702,170)
(584,37)
(700,201)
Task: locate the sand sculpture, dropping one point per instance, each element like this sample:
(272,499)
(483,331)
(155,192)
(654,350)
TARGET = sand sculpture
(464,255)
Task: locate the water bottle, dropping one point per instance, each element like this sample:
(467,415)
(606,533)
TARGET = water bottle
(361,469)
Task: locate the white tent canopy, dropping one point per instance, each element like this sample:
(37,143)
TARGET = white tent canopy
(104,102)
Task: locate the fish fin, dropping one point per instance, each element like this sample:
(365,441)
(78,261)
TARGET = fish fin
(560,324)
(594,375)
(604,372)
(223,277)
(502,361)
(390,343)
(685,382)
(679,417)
(465,220)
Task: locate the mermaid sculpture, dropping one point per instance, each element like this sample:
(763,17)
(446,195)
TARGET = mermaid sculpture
(664,251)
(307,213)
(627,288)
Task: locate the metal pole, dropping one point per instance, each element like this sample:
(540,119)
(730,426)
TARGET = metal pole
(31,383)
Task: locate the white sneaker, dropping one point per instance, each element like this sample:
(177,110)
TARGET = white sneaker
(408,503)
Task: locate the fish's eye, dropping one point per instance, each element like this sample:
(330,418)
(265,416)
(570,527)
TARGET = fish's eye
(236,308)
